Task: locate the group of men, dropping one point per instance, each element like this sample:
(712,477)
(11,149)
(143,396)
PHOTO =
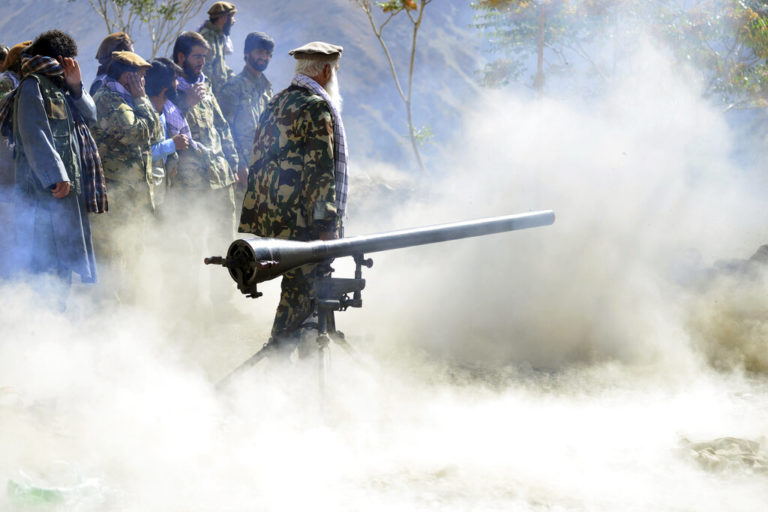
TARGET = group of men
(173,139)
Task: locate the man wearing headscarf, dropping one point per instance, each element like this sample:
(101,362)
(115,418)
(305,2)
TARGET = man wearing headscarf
(125,131)
(206,176)
(127,127)
(10,71)
(161,83)
(116,42)
(245,96)
(221,17)
(297,180)
(58,172)
(9,80)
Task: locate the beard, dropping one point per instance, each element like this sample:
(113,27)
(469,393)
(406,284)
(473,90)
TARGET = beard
(227,28)
(332,88)
(171,94)
(257,64)
(190,72)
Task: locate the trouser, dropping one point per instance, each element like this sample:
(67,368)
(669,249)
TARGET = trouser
(205,221)
(297,298)
(119,238)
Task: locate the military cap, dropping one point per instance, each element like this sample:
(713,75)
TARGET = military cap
(113,42)
(316,49)
(14,54)
(130,59)
(221,8)
(259,40)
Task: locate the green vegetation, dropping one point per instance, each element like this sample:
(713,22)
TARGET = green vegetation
(163,21)
(727,39)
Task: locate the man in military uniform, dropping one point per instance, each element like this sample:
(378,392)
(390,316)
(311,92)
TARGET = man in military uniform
(52,232)
(125,131)
(161,84)
(297,181)
(245,96)
(11,68)
(221,17)
(9,80)
(127,127)
(206,176)
(10,76)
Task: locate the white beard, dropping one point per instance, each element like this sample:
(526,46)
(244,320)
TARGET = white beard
(332,88)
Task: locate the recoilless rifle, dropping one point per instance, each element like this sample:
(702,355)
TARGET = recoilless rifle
(254,260)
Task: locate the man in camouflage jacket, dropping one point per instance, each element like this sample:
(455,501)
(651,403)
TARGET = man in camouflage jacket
(297,177)
(245,96)
(221,17)
(206,172)
(126,129)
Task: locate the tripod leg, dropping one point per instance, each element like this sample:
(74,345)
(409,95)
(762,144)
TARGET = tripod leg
(340,340)
(269,348)
(255,358)
(322,344)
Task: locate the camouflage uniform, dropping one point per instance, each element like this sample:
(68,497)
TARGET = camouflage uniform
(124,134)
(242,99)
(211,169)
(205,180)
(161,166)
(215,67)
(292,190)
(8,82)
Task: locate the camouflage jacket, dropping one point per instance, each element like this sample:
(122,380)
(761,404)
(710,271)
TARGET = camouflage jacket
(291,182)
(242,100)
(8,82)
(214,162)
(124,134)
(215,67)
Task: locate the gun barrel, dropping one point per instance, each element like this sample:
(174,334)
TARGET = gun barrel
(430,234)
(255,260)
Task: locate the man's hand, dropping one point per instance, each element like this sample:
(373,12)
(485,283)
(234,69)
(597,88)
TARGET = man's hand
(61,189)
(180,141)
(195,95)
(241,177)
(135,85)
(72,76)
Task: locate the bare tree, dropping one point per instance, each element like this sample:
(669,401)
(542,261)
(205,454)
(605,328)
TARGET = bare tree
(414,10)
(164,21)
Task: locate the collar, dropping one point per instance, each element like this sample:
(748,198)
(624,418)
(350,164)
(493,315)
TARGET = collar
(118,88)
(210,26)
(184,84)
(255,76)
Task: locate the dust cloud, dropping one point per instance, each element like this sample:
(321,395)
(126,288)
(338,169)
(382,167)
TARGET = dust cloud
(559,368)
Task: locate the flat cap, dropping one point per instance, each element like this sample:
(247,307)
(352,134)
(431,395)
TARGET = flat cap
(130,59)
(220,8)
(259,40)
(316,49)
(116,41)
(14,54)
